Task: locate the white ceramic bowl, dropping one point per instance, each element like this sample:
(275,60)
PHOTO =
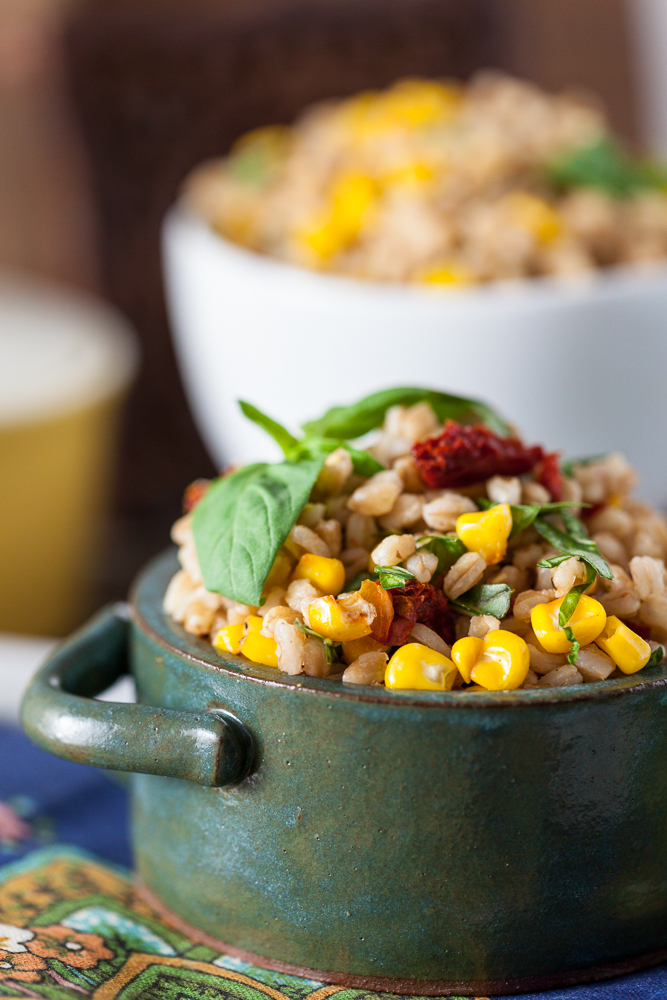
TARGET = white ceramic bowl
(579,367)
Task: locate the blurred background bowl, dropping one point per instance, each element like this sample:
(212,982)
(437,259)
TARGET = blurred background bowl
(579,367)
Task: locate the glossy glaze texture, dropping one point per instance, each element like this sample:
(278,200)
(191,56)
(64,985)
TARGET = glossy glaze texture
(424,835)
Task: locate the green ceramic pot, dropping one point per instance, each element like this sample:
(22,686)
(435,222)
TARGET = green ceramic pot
(411,842)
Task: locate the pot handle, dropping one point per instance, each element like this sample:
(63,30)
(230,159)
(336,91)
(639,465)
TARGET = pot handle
(60,715)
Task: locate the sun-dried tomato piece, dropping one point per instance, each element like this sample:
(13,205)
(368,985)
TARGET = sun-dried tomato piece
(372,592)
(195,492)
(461,456)
(547,473)
(420,602)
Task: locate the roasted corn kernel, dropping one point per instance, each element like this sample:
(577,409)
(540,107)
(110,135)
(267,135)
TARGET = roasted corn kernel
(337,620)
(486,532)
(414,667)
(628,650)
(587,622)
(536,216)
(351,201)
(230,638)
(328,575)
(355,648)
(259,648)
(498,662)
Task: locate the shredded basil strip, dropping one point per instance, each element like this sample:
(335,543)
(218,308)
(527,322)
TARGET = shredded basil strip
(485,599)
(243,520)
(357,419)
(577,544)
(393,576)
(356,582)
(574,649)
(571,599)
(656,658)
(523,515)
(311,446)
(448,548)
(330,645)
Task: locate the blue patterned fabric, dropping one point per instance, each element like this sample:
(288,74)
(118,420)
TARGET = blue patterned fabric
(63,803)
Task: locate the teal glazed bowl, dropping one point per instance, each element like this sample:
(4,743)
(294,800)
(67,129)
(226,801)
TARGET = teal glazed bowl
(411,842)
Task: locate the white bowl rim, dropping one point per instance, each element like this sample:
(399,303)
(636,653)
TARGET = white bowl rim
(608,282)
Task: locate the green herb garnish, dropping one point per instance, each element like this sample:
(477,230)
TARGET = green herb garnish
(572,542)
(571,599)
(606,166)
(350,422)
(485,599)
(448,548)
(243,520)
(310,446)
(656,658)
(523,515)
(330,645)
(574,648)
(393,576)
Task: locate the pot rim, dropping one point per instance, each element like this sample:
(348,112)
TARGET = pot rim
(146,596)
(603,283)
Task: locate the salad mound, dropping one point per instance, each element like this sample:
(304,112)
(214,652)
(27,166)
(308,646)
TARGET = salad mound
(440,183)
(447,555)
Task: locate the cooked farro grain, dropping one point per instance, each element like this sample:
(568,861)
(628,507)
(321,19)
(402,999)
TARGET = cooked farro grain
(437,183)
(440,592)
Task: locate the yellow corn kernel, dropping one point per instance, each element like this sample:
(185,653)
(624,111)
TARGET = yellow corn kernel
(586,623)
(486,532)
(230,638)
(280,571)
(355,648)
(533,214)
(465,654)
(415,667)
(408,103)
(628,650)
(328,575)
(498,662)
(449,273)
(351,202)
(330,619)
(408,175)
(259,648)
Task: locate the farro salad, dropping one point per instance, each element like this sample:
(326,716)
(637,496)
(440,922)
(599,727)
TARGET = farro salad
(441,183)
(445,555)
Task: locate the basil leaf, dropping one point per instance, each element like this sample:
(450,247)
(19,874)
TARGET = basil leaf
(584,548)
(574,649)
(571,599)
(359,418)
(574,526)
(553,561)
(485,599)
(604,165)
(279,433)
(448,548)
(393,576)
(244,519)
(312,447)
(523,515)
(656,658)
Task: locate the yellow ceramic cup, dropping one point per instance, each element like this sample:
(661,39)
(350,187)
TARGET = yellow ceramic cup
(65,365)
